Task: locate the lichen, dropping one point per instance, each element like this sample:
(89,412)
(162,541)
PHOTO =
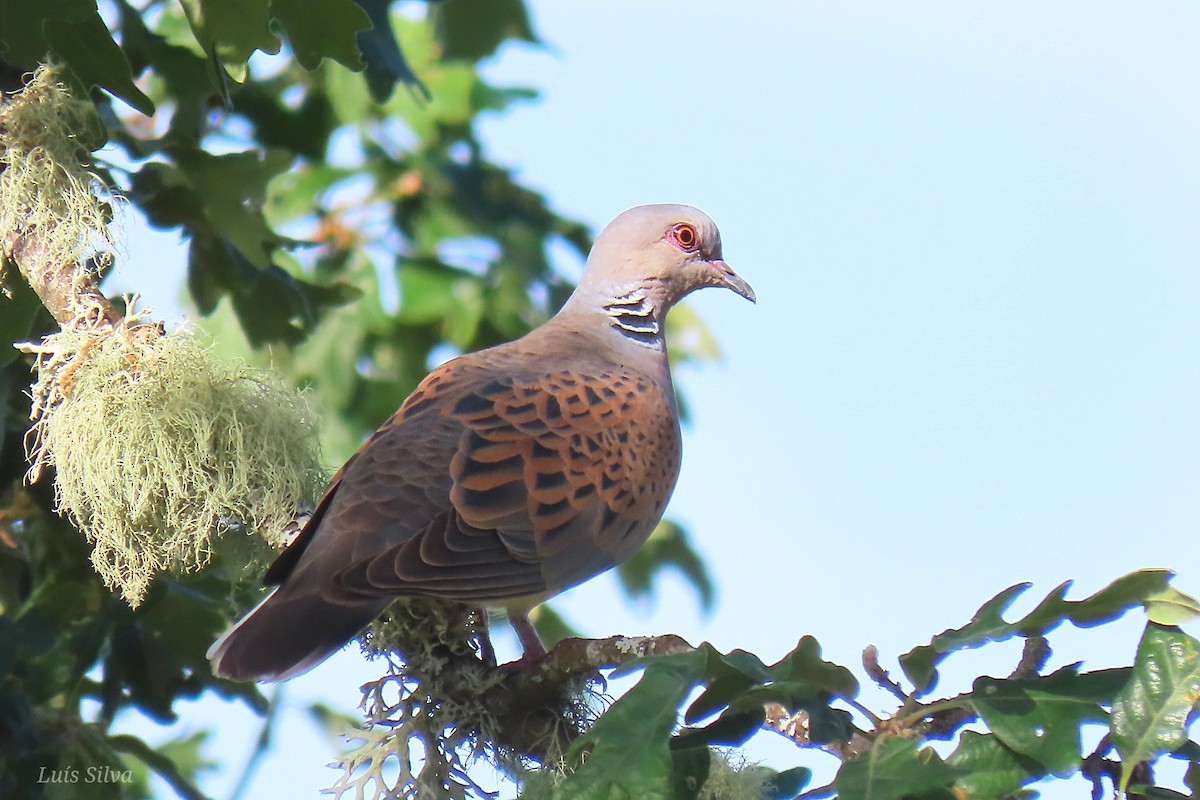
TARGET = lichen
(731,777)
(425,720)
(45,183)
(158,447)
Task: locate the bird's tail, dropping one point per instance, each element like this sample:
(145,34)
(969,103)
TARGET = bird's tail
(287,634)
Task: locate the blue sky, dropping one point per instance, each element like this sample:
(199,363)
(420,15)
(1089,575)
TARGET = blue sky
(975,359)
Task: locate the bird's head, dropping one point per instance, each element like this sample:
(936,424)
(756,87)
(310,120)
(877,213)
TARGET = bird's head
(670,250)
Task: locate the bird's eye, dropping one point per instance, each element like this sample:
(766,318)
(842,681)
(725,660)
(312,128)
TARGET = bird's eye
(685,236)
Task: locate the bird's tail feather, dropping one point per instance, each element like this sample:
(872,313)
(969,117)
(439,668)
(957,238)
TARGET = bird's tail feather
(287,634)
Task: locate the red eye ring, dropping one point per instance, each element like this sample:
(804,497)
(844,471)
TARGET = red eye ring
(686,237)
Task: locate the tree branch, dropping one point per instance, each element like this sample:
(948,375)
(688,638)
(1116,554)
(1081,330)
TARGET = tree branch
(66,290)
(528,702)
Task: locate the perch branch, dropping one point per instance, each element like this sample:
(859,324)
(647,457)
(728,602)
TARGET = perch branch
(67,291)
(528,701)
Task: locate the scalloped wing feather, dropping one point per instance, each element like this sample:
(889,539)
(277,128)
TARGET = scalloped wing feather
(548,481)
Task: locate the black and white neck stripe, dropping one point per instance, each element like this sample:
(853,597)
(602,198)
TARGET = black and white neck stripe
(632,315)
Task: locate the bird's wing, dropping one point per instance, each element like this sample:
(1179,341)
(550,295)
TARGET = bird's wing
(552,478)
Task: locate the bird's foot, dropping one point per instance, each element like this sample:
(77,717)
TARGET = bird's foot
(531,644)
(520,665)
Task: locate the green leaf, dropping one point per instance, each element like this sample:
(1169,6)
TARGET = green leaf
(88,50)
(295,193)
(805,664)
(475,29)
(219,200)
(232,29)
(303,130)
(221,195)
(988,624)
(493,98)
(690,768)
(1191,778)
(1188,751)
(164,194)
(432,293)
(626,752)
(385,62)
(331,357)
(185,74)
(427,292)
(989,769)
(1172,607)
(76,34)
(740,684)
(349,96)
(787,784)
(893,768)
(1040,717)
(157,655)
(232,189)
(668,546)
(1126,592)
(451,90)
(449,86)
(328,29)
(23,26)
(271,304)
(25,637)
(1150,716)
(727,677)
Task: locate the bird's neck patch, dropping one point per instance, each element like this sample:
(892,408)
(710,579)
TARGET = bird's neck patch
(633,315)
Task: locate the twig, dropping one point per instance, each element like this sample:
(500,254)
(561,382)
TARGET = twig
(796,727)
(943,717)
(870,660)
(1033,658)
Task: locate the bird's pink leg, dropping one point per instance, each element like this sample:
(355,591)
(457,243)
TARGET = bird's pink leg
(531,643)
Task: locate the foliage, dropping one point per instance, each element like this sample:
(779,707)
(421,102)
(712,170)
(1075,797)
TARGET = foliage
(339,208)
(1032,721)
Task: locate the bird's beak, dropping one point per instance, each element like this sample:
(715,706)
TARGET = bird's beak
(724,276)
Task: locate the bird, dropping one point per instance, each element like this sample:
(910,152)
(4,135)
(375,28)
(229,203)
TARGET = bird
(510,474)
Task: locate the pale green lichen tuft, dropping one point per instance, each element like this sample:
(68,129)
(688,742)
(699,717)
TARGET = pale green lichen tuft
(416,740)
(157,447)
(731,777)
(424,722)
(45,183)
(428,632)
